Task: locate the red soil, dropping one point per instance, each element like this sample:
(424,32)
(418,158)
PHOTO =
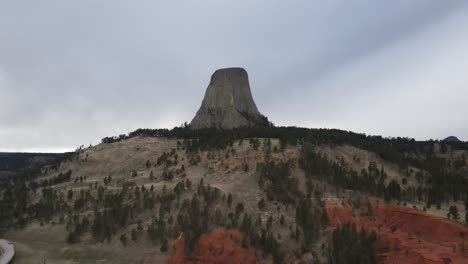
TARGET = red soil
(214,248)
(412,236)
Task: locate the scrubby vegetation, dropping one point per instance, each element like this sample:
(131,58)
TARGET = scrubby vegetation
(129,210)
(371,181)
(436,187)
(445,179)
(276,180)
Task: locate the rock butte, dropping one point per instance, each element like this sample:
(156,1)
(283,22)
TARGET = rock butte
(228,102)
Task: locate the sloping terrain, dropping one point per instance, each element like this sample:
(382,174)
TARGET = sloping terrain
(409,236)
(131,163)
(156,200)
(216,247)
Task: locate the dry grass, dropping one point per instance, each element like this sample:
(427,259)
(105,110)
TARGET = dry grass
(223,169)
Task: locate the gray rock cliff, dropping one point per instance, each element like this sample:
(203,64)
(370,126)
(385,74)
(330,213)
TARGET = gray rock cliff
(228,102)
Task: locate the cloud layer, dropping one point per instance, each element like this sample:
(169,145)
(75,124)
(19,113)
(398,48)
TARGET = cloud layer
(74,72)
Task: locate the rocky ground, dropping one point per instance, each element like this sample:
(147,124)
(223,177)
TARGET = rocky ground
(413,236)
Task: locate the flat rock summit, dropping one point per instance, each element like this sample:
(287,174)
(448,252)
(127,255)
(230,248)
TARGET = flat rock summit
(228,102)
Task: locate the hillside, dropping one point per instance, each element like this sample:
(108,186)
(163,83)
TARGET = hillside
(12,164)
(158,196)
(406,235)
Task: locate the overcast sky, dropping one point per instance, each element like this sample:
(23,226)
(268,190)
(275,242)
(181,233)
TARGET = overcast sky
(73,72)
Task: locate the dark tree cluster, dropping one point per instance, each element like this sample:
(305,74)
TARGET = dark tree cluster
(440,186)
(60,178)
(261,236)
(76,228)
(22,164)
(158,231)
(312,219)
(276,180)
(370,181)
(350,246)
(168,159)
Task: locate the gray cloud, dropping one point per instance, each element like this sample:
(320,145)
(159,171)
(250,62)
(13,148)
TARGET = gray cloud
(72,72)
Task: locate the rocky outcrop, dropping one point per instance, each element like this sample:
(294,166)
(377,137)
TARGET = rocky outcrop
(228,102)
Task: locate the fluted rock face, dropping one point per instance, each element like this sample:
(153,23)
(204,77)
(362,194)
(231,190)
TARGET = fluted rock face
(228,102)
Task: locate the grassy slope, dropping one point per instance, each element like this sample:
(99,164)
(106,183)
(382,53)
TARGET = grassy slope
(221,169)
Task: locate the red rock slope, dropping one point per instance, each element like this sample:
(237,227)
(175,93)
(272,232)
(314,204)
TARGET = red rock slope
(412,236)
(214,248)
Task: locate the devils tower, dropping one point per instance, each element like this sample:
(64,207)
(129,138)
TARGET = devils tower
(228,102)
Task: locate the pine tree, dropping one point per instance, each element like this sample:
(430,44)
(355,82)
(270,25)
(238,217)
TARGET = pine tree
(134,234)
(123,239)
(229,200)
(261,204)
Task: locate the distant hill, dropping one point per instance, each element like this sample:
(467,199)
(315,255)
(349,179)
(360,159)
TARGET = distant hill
(12,164)
(451,139)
